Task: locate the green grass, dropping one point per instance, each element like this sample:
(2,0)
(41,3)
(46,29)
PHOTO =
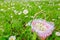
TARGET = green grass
(16,25)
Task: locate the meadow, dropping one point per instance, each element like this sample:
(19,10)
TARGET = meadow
(13,20)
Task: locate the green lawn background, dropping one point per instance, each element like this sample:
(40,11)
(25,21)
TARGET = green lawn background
(16,25)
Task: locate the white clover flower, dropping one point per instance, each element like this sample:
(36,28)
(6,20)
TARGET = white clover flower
(12,38)
(57,33)
(25,11)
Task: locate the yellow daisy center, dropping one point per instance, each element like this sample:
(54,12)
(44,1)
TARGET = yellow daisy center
(40,26)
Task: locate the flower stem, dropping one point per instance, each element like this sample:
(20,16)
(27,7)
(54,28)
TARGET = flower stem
(42,38)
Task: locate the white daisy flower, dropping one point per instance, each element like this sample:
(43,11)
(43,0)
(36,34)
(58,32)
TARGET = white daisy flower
(12,38)
(25,11)
(57,33)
